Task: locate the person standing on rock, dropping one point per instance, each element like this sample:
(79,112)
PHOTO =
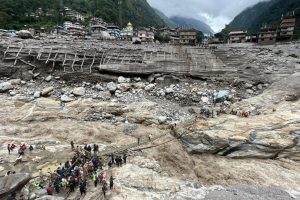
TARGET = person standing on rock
(82,187)
(138,140)
(72,145)
(8,148)
(104,188)
(50,190)
(111,182)
(95,148)
(95,179)
(57,185)
(112,159)
(72,184)
(110,164)
(124,158)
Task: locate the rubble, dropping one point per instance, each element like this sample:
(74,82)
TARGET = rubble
(80,91)
(5,86)
(111,86)
(65,98)
(13,182)
(24,34)
(46,91)
(202,111)
(149,87)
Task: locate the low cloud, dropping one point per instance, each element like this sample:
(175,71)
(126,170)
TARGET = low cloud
(215,13)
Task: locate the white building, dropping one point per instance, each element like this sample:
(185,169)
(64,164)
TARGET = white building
(74,29)
(146,36)
(127,33)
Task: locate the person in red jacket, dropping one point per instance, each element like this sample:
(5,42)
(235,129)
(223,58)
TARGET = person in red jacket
(50,190)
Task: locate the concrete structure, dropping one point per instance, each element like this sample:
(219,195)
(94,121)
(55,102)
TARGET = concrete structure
(253,38)
(187,36)
(114,31)
(267,36)
(97,31)
(74,29)
(127,32)
(287,28)
(213,40)
(237,37)
(171,33)
(145,35)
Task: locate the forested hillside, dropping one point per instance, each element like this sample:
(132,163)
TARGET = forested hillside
(14,14)
(265,13)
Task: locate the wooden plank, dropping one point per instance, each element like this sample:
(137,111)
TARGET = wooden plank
(49,56)
(18,55)
(64,62)
(101,59)
(81,66)
(54,60)
(74,62)
(6,51)
(92,62)
(27,63)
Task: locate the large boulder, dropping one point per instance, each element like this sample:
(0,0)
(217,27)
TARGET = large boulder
(66,98)
(13,182)
(221,95)
(124,87)
(47,90)
(27,75)
(5,86)
(150,87)
(111,86)
(122,79)
(24,34)
(80,91)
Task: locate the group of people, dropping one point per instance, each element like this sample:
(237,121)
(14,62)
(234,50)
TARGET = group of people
(77,172)
(119,160)
(20,152)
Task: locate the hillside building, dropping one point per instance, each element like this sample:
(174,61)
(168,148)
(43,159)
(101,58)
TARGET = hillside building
(187,36)
(74,29)
(114,31)
(146,35)
(127,32)
(171,33)
(97,31)
(73,14)
(287,28)
(237,37)
(267,36)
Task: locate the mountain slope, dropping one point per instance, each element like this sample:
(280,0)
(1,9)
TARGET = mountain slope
(191,23)
(14,14)
(265,13)
(167,21)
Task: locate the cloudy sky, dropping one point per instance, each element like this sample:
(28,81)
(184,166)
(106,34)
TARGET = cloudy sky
(215,13)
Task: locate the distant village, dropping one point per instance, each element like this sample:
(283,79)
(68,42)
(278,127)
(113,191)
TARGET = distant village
(97,28)
(268,35)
